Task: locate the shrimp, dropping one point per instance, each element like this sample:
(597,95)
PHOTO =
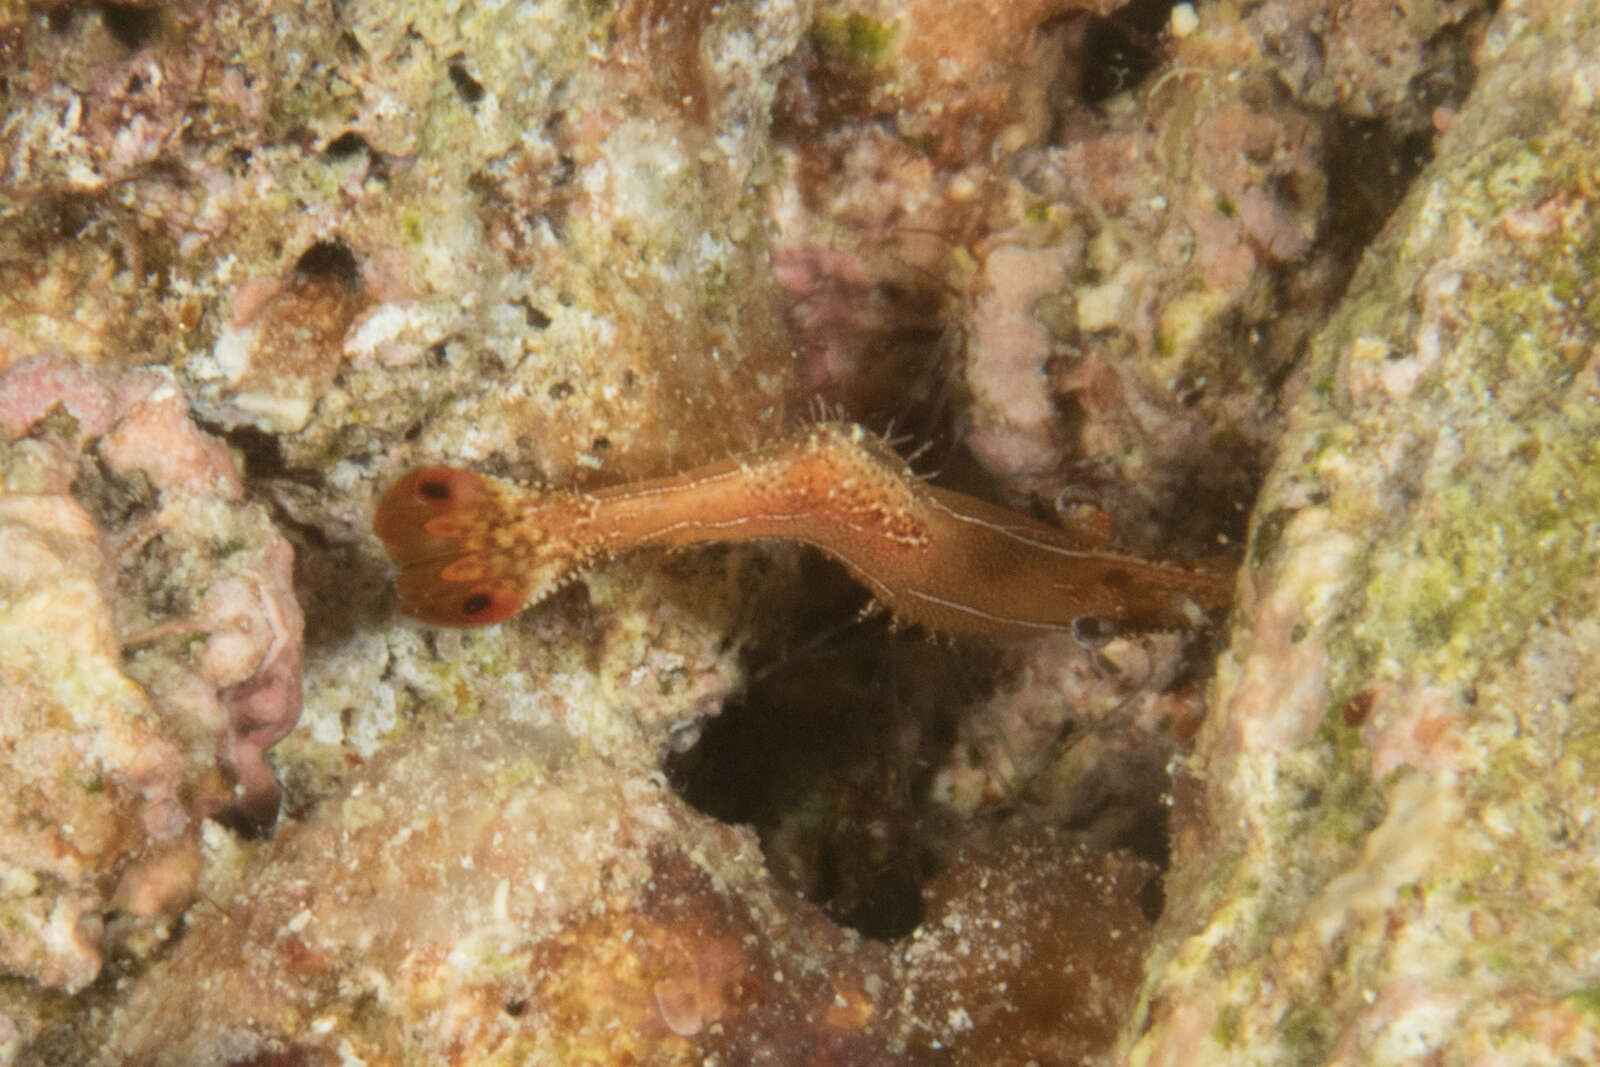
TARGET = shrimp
(473,550)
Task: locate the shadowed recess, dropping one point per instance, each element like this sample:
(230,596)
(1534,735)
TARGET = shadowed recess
(329,260)
(132,26)
(827,756)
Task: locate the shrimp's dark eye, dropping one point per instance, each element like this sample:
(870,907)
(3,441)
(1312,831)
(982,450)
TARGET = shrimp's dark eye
(434,490)
(1093,632)
(476,604)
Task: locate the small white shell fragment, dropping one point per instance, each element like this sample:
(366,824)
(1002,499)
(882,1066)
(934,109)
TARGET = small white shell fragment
(1184,21)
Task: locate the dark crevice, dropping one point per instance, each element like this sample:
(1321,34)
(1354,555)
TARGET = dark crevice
(342,587)
(114,498)
(347,144)
(262,454)
(350,46)
(1369,169)
(468,88)
(1122,49)
(244,826)
(828,757)
(819,760)
(533,316)
(1153,898)
(67,216)
(133,27)
(329,260)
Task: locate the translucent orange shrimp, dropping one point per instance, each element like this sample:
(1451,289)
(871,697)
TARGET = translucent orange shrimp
(473,550)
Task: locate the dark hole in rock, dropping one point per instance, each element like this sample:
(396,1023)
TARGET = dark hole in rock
(261,452)
(350,45)
(263,456)
(345,145)
(133,27)
(535,318)
(1153,898)
(822,792)
(468,88)
(1370,167)
(251,826)
(1120,51)
(563,172)
(68,215)
(329,260)
(828,756)
(832,756)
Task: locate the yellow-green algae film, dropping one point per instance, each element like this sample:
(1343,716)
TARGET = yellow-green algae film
(1401,852)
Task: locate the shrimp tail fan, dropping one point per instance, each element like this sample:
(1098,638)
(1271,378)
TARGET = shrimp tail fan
(438,525)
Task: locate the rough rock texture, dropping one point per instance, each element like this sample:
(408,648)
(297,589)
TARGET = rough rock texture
(1117,304)
(199,582)
(1387,853)
(1026,956)
(443,213)
(1071,728)
(1078,248)
(489,893)
(150,651)
(525,237)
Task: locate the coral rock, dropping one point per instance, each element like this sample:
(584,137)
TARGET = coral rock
(1387,848)
(1028,955)
(489,893)
(114,510)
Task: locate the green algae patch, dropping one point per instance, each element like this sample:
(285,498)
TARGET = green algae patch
(1585,1000)
(1226,1032)
(1510,540)
(1503,485)
(1349,805)
(853,38)
(1308,1032)
(1435,829)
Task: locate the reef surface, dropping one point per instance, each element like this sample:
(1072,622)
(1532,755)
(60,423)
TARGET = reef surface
(1117,264)
(1388,855)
